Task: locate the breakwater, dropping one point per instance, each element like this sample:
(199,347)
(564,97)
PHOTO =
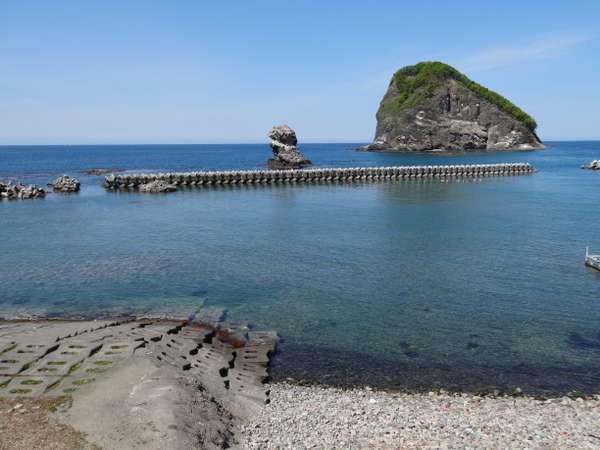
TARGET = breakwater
(315,175)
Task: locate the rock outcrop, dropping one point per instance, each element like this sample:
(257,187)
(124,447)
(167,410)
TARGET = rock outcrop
(285,149)
(20,192)
(594,165)
(157,187)
(65,184)
(431,106)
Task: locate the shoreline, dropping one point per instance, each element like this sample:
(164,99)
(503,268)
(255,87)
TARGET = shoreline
(344,369)
(150,395)
(309,416)
(296,417)
(328,368)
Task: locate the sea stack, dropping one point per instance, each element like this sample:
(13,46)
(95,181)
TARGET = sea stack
(433,107)
(285,149)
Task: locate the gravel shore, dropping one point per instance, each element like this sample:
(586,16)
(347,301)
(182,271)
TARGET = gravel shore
(317,417)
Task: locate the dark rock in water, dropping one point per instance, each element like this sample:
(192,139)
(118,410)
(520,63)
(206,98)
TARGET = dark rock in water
(285,148)
(101,171)
(594,165)
(411,354)
(65,184)
(577,341)
(157,187)
(20,192)
(472,345)
(431,106)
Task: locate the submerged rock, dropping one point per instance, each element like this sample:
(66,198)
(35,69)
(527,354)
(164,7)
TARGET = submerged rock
(431,106)
(101,171)
(594,165)
(285,148)
(157,187)
(65,184)
(20,192)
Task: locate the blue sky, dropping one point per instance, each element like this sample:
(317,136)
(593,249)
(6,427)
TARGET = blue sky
(197,71)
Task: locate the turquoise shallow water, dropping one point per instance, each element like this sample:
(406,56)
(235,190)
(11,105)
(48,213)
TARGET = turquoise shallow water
(406,284)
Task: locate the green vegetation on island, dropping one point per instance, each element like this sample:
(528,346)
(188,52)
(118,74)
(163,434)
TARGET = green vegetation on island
(415,83)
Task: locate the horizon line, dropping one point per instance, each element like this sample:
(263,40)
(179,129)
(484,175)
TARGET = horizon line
(248,142)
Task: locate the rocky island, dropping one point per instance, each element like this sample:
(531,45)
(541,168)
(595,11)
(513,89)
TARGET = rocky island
(431,106)
(65,184)
(285,149)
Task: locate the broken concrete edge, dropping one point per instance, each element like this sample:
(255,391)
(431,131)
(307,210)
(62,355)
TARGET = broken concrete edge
(234,372)
(193,384)
(223,335)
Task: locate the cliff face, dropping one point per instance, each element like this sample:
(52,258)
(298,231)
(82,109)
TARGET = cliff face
(431,106)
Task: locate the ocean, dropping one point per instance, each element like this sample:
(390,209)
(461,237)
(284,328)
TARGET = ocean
(414,285)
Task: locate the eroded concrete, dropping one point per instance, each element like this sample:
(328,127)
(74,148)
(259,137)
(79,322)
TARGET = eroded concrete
(141,384)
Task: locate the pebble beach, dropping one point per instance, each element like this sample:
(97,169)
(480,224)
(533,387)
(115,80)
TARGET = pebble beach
(323,417)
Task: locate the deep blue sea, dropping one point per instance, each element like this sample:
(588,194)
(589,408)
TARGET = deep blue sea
(414,284)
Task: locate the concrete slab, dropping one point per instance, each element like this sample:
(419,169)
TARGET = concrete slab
(57,358)
(38,385)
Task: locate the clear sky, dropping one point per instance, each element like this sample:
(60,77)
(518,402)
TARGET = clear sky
(196,71)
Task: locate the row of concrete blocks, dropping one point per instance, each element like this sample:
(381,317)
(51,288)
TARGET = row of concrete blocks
(311,175)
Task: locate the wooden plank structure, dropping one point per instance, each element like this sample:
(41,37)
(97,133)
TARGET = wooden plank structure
(232,177)
(592,260)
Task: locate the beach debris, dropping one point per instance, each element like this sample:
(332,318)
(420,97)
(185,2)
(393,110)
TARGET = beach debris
(14,408)
(65,184)
(285,149)
(594,165)
(158,187)
(20,192)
